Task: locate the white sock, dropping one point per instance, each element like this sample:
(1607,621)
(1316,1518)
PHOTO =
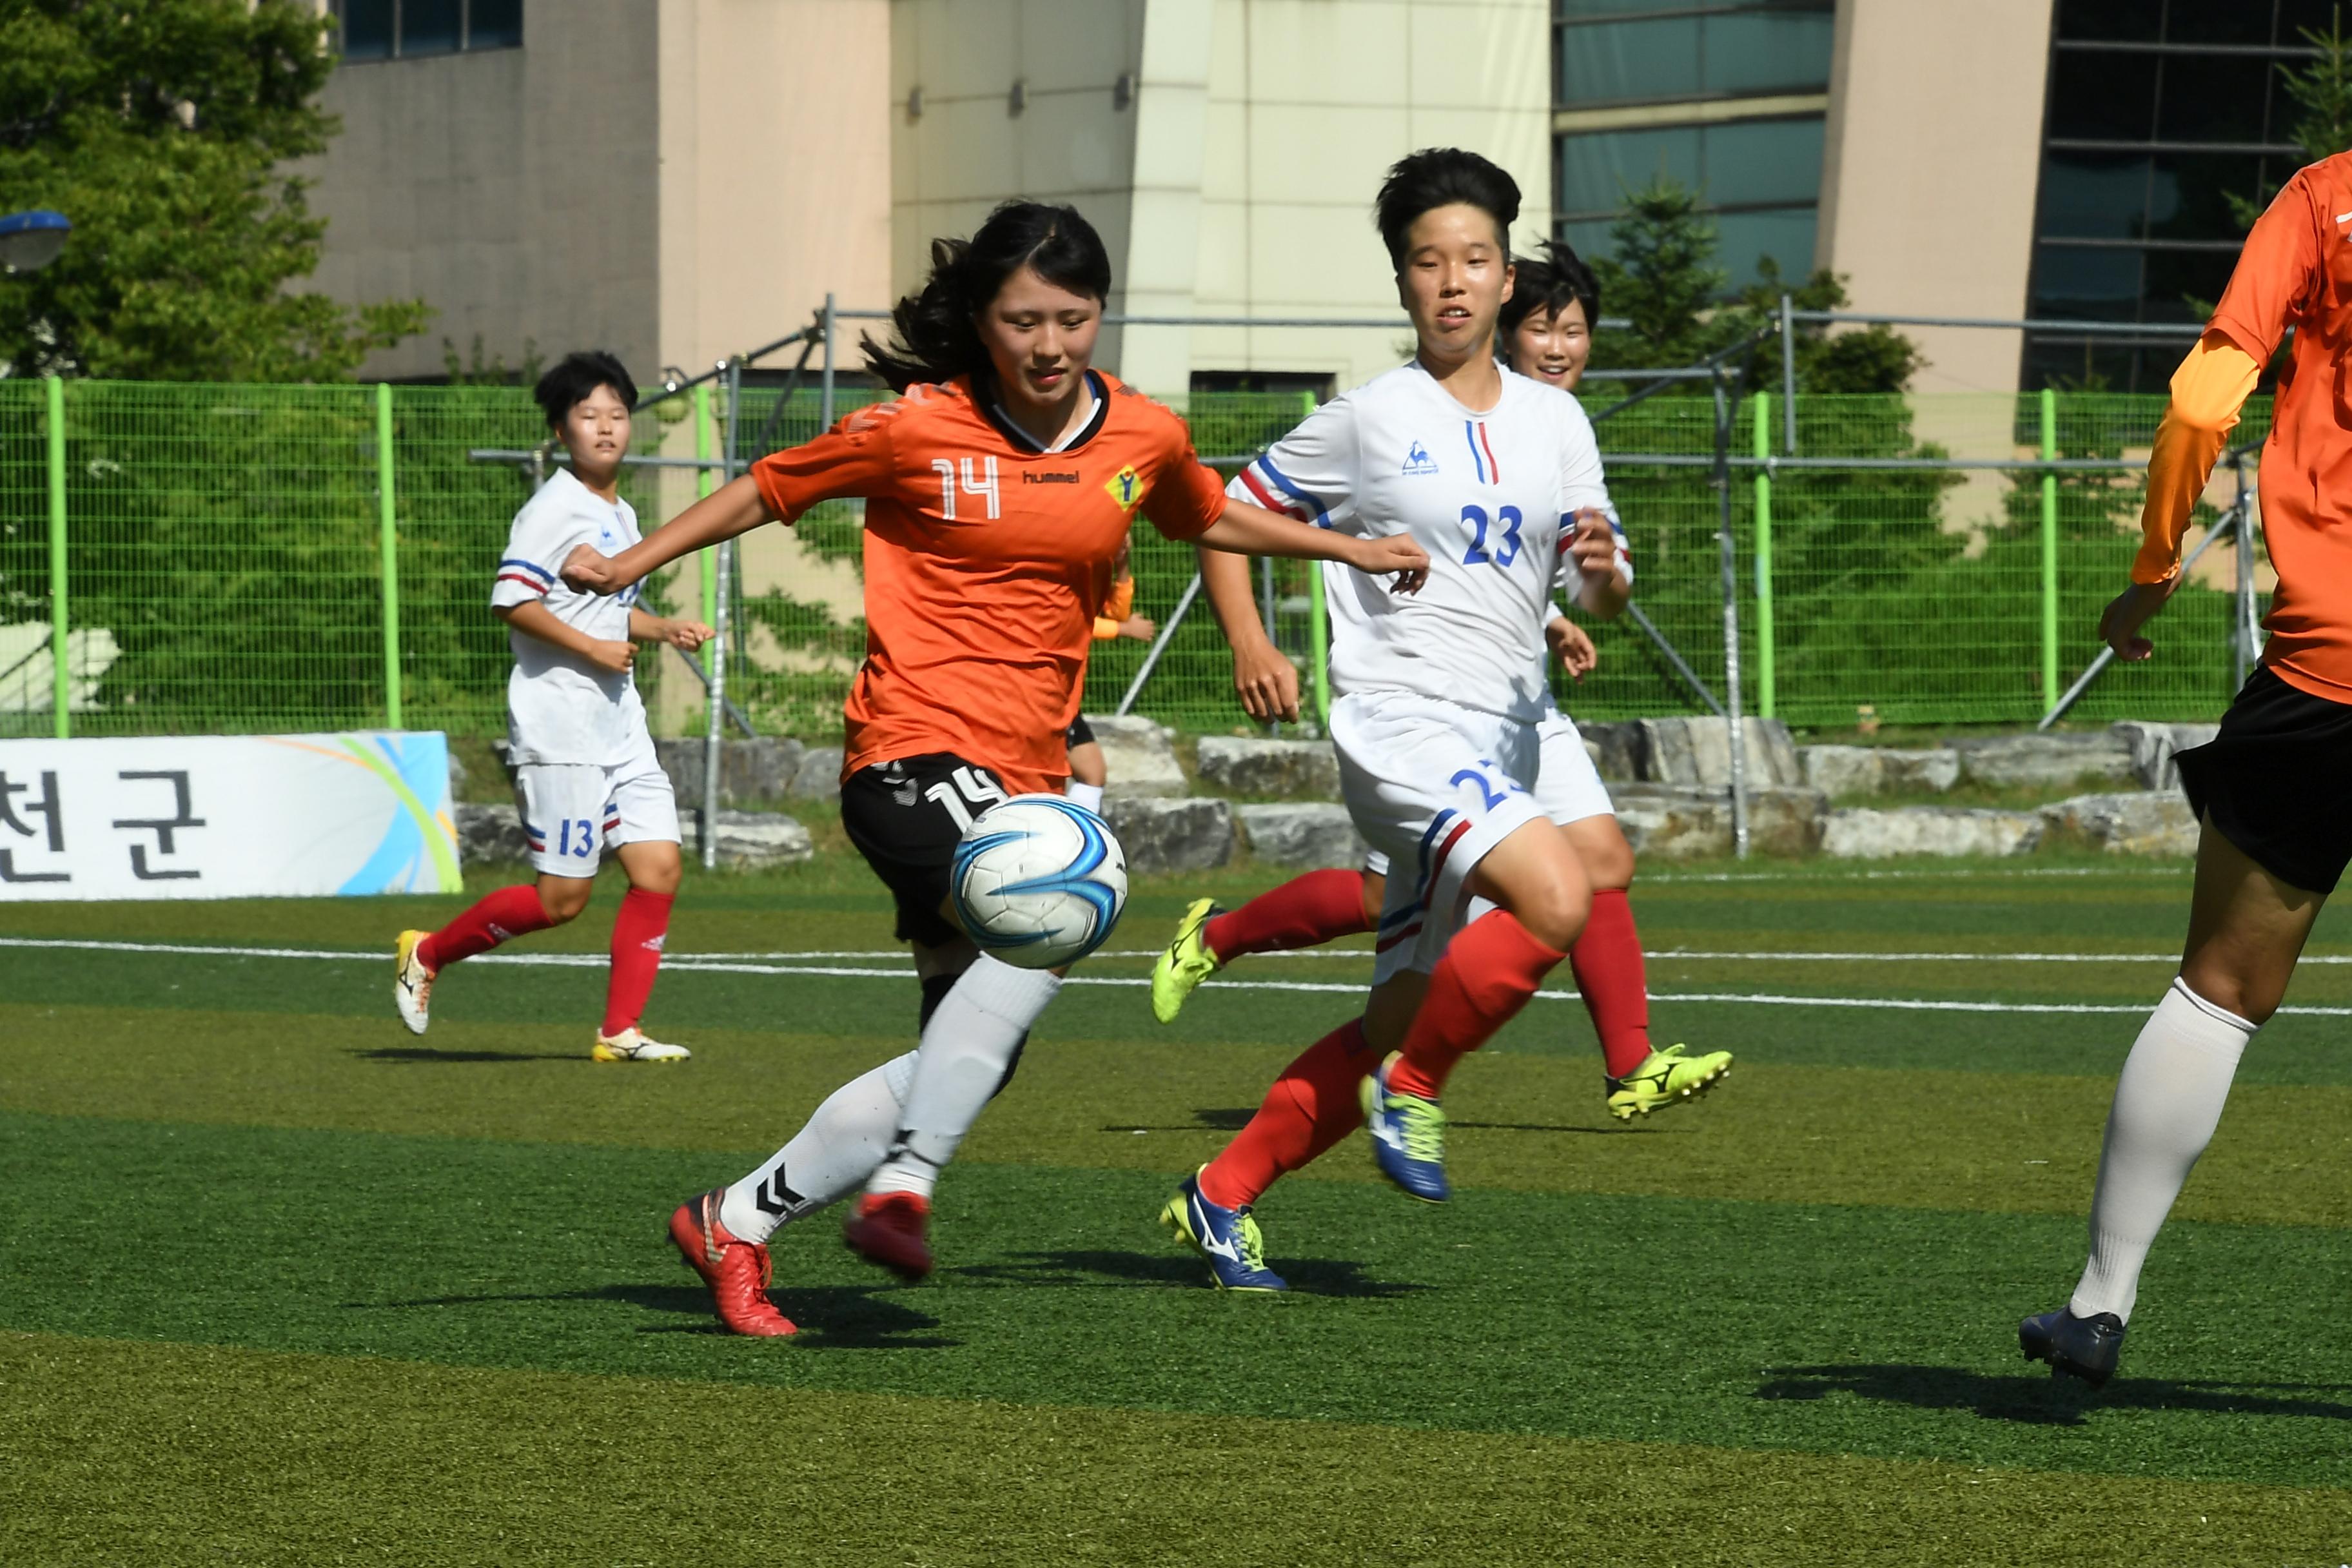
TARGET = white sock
(2168,1102)
(966,1048)
(1085,795)
(836,1149)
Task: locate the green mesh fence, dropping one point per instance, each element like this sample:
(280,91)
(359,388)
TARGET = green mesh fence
(226,570)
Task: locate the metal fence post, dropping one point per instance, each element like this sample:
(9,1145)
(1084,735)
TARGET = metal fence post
(1767,689)
(703,483)
(60,678)
(1318,646)
(2049,547)
(1788,377)
(388,546)
(1731,716)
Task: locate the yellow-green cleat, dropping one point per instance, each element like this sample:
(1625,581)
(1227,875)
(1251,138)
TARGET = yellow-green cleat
(1665,1077)
(1186,963)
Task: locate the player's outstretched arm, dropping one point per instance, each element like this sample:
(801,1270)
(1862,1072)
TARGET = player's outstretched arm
(1244,530)
(736,507)
(1266,680)
(534,619)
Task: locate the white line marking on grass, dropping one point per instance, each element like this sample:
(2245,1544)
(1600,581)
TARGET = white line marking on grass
(711,965)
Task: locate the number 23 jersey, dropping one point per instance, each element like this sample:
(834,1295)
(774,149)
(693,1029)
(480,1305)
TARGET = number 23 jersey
(1489,495)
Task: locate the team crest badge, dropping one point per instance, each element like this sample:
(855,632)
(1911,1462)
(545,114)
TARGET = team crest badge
(1125,486)
(1417,461)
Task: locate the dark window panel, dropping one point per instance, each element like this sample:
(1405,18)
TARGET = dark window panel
(367,30)
(429,26)
(2299,17)
(494,25)
(2086,283)
(1786,236)
(2135,20)
(2185,285)
(2212,98)
(1765,161)
(2218,22)
(1597,170)
(1775,52)
(2097,97)
(2191,197)
(2093,196)
(2077,363)
(1617,61)
(1572,10)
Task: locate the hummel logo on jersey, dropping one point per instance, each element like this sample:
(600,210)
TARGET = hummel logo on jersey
(1417,461)
(1054,477)
(1125,486)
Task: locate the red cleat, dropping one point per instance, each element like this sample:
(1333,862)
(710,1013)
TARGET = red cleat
(736,1271)
(888,1229)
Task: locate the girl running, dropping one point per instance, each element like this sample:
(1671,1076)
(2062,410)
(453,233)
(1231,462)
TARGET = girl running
(1000,486)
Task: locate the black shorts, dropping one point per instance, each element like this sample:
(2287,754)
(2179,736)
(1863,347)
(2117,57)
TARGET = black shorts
(906,816)
(2270,781)
(1080,733)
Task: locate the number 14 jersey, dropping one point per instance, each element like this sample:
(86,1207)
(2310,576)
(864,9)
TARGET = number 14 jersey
(1489,495)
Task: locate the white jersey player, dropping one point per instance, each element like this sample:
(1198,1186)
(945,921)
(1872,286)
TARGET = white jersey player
(586,776)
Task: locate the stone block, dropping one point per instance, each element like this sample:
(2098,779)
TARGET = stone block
(758,769)
(1259,765)
(2043,761)
(489,834)
(1937,769)
(1664,823)
(2122,823)
(1786,822)
(749,840)
(1310,836)
(1160,834)
(1138,757)
(2153,747)
(1876,770)
(1616,749)
(819,777)
(1862,834)
(1696,754)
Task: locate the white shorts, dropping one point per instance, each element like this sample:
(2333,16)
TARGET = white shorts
(1432,787)
(572,812)
(1568,786)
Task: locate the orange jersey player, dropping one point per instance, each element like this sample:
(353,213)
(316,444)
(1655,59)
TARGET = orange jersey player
(999,489)
(2269,789)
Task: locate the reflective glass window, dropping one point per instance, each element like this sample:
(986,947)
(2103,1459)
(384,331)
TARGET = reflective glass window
(2212,98)
(2095,96)
(430,26)
(1786,236)
(1596,171)
(2078,282)
(1768,52)
(2136,21)
(1764,162)
(2094,195)
(367,30)
(494,25)
(1617,61)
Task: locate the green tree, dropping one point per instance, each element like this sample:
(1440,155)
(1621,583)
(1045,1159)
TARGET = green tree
(163,128)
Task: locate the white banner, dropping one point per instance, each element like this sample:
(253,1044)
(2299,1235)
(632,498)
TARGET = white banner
(226,816)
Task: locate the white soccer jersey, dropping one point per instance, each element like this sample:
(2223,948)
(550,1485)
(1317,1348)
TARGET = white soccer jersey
(1486,495)
(561,708)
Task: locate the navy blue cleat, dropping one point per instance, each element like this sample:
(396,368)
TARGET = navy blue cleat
(1228,1238)
(1408,1137)
(2088,1348)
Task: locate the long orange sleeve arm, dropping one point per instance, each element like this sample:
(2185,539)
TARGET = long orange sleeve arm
(2207,390)
(1120,605)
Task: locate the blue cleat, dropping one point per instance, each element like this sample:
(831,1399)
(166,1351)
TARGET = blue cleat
(1408,1137)
(2088,1348)
(1228,1238)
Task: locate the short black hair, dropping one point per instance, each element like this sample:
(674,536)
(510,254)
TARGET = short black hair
(571,379)
(1547,283)
(1440,176)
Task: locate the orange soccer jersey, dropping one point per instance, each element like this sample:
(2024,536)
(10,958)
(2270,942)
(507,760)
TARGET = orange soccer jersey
(984,561)
(2295,271)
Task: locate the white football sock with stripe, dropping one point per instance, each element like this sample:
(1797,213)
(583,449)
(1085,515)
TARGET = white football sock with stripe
(966,1048)
(835,1150)
(2168,1102)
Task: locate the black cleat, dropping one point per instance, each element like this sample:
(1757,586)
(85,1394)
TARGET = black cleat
(2088,1348)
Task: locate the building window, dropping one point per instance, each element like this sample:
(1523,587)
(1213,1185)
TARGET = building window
(407,29)
(1725,97)
(2158,112)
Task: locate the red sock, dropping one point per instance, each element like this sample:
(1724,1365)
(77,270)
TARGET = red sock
(1306,911)
(638,933)
(508,912)
(1608,962)
(1489,971)
(1315,1102)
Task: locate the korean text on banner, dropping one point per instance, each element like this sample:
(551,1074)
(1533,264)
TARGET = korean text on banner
(226,816)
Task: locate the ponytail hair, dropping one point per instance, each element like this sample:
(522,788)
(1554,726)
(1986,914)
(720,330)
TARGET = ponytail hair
(933,331)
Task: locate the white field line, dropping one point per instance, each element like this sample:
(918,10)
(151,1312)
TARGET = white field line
(711,965)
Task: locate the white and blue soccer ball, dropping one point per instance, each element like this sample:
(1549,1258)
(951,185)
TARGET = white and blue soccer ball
(1039,881)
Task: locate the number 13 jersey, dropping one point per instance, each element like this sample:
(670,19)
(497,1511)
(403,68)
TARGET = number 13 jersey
(1489,495)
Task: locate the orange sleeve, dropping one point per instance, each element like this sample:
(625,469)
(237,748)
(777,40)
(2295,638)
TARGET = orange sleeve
(2278,272)
(1187,499)
(1120,605)
(853,458)
(2207,390)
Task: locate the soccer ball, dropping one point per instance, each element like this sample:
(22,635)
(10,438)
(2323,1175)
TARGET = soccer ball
(1038,881)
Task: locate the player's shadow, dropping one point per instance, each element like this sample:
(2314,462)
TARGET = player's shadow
(829,1316)
(1228,1119)
(1212,1120)
(1104,1269)
(2039,1399)
(1618,1131)
(427,1054)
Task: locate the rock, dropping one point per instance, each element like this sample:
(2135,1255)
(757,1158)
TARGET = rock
(456,775)
(819,777)
(1311,836)
(1164,835)
(1616,749)
(1860,833)
(1138,757)
(2122,823)
(489,834)
(2153,747)
(749,840)
(2040,760)
(1260,766)
(1786,822)
(1873,770)
(1696,752)
(1664,823)
(752,770)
